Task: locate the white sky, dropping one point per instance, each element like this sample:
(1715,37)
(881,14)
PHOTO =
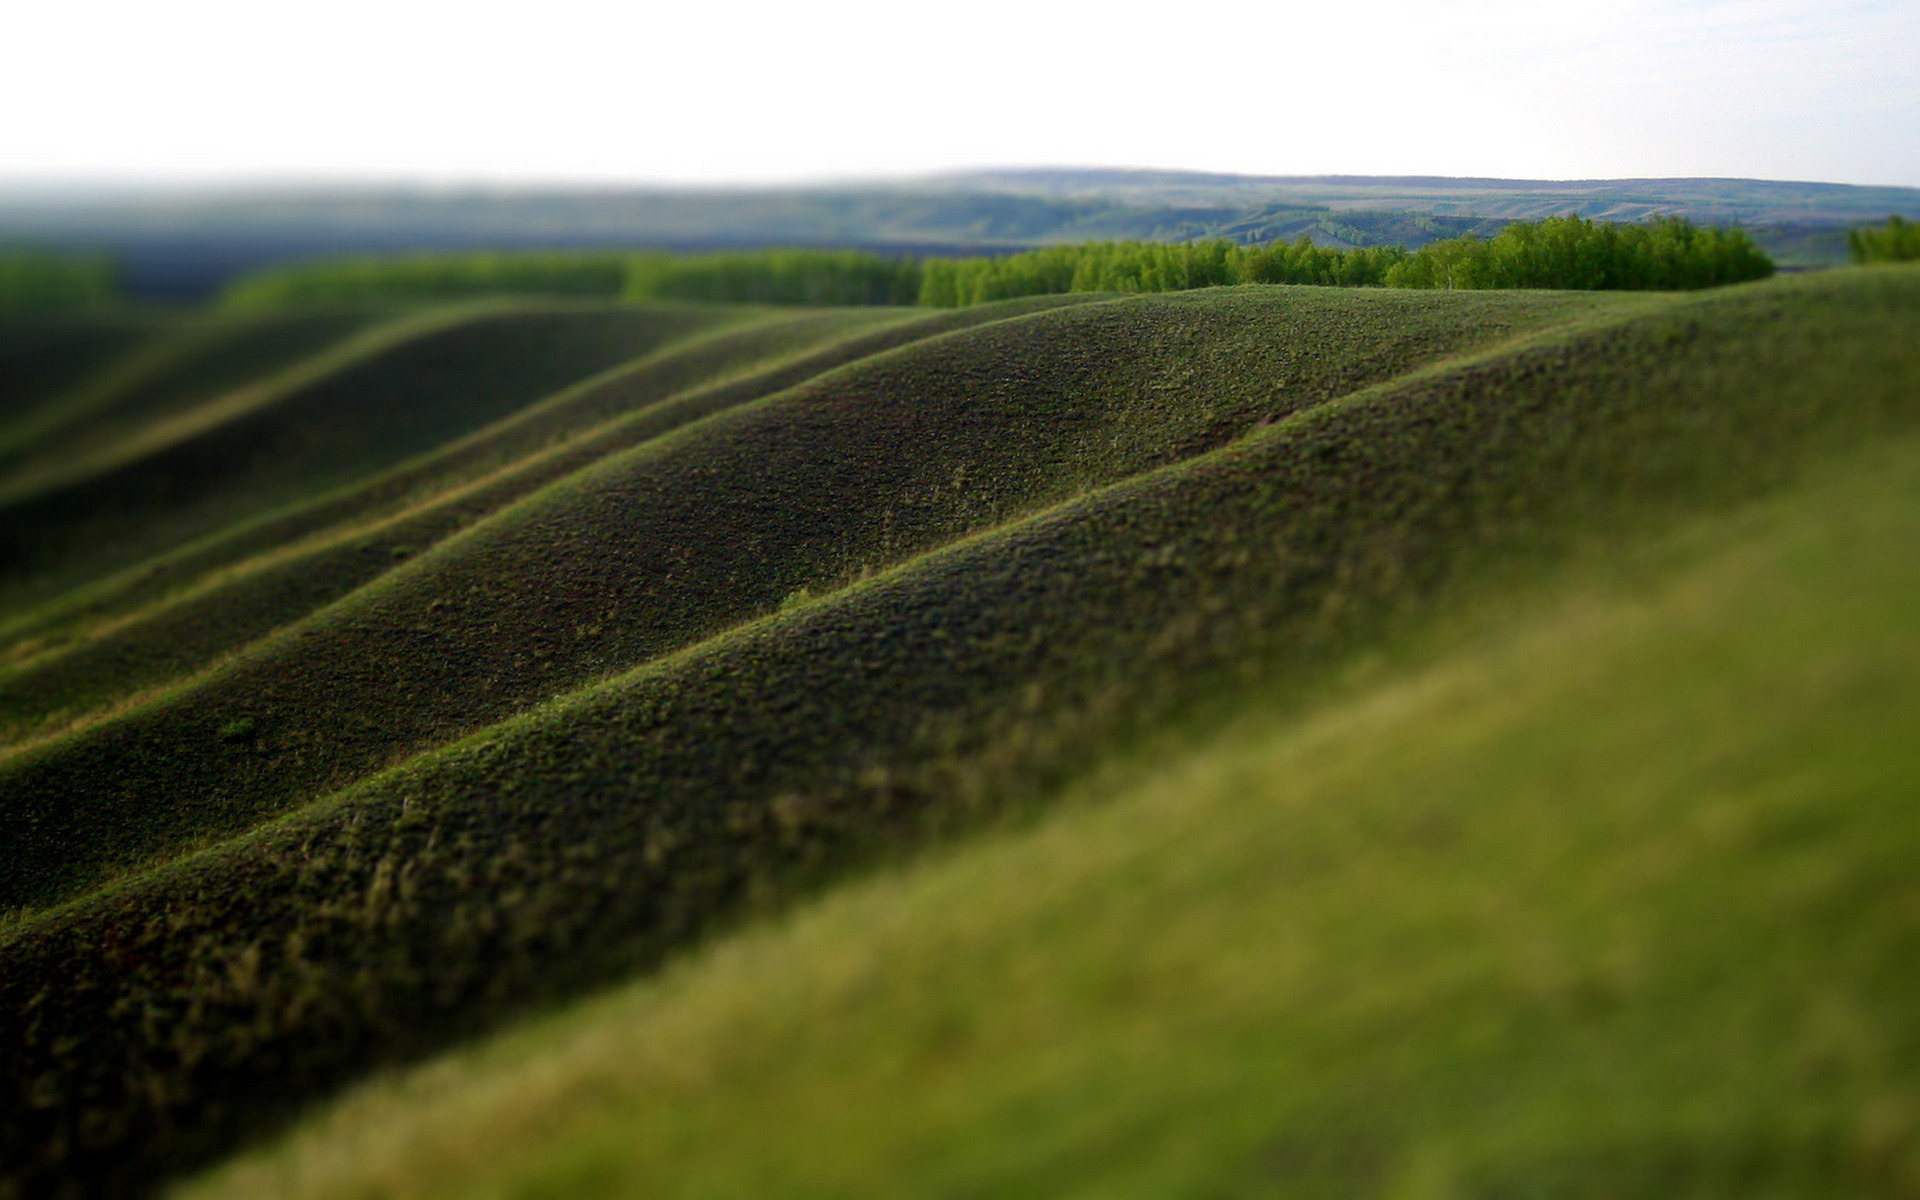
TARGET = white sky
(740,90)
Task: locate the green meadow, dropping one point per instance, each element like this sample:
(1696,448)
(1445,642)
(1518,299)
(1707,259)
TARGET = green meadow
(1262,739)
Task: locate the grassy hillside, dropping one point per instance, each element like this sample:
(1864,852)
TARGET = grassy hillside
(168,378)
(42,359)
(178,613)
(727,645)
(106,646)
(371,402)
(747,354)
(1562,912)
(804,491)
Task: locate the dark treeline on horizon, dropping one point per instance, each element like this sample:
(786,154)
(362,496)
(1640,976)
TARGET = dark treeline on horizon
(55,281)
(1896,241)
(1559,252)
(818,277)
(1667,254)
(777,277)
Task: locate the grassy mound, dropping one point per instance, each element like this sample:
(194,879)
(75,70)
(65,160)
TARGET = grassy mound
(658,547)
(368,404)
(747,357)
(113,647)
(42,360)
(1565,913)
(166,379)
(1169,507)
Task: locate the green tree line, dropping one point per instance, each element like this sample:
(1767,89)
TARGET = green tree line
(775,277)
(1148,267)
(1559,252)
(429,277)
(1665,254)
(1896,241)
(747,277)
(52,281)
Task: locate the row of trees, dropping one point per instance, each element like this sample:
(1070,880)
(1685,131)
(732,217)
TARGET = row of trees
(50,281)
(745,277)
(1559,252)
(430,277)
(1148,267)
(1896,241)
(775,277)
(1665,254)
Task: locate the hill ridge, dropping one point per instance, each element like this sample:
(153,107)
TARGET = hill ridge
(275,528)
(503,603)
(1539,832)
(584,839)
(118,651)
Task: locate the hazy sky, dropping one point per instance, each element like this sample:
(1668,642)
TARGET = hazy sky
(568,91)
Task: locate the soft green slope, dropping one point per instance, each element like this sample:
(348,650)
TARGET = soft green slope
(112,649)
(367,404)
(1056,536)
(414,504)
(651,549)
(1615,899)
(44,360)
(167,378)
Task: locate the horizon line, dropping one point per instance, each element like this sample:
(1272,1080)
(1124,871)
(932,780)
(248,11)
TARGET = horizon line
(104,185)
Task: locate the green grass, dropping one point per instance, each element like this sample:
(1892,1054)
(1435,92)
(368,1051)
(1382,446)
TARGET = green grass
(806,488)
(104,649)
(268,573)
(170,375)
(1613,899)
(378,400)
(713,670)
(748,355)
(43,360)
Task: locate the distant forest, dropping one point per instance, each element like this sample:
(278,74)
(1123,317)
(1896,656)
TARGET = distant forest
(1559,252)
(186,245)
(1896,241)
(42,281)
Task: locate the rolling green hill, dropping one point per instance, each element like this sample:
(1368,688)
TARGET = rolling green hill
(1563,912)
(487,656)
(42,360)
(398,391)
(166,381)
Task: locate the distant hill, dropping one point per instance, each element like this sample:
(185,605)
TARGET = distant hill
(185,244)
(1709,201)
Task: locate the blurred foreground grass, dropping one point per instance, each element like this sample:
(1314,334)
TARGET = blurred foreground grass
(1605,892)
